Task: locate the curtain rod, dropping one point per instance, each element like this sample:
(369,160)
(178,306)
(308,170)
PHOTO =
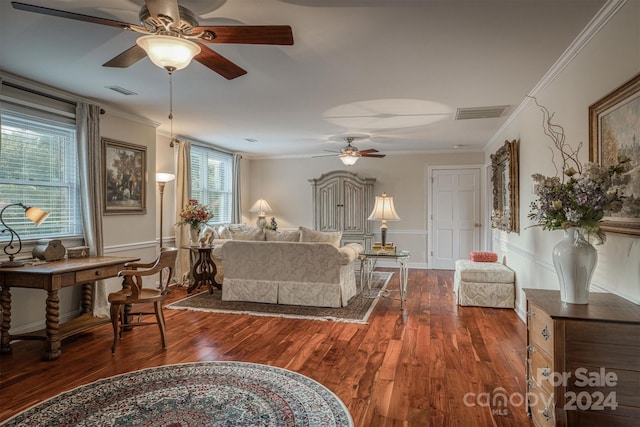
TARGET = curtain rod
(39,93)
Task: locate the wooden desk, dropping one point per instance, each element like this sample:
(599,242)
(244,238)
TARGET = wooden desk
(52,277)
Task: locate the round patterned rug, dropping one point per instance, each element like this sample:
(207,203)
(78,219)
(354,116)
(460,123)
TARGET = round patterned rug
(194,394)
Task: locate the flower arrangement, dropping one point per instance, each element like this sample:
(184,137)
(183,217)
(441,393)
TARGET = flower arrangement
(583,193)
(195,215)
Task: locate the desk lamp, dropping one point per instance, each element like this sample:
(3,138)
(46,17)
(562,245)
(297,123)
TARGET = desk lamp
(36,215)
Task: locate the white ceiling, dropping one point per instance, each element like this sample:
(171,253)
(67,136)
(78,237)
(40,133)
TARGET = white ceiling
(375,69)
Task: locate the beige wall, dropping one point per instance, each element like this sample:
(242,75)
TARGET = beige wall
(126,235)
(609,59)
(284,184)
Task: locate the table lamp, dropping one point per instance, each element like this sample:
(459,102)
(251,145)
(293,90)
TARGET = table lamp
(36,215)
(384,211)
(262,208)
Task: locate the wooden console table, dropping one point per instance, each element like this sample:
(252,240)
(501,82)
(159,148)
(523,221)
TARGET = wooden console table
(52,277)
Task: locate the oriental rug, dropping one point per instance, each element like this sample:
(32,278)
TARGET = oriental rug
(357,310)
(194,394)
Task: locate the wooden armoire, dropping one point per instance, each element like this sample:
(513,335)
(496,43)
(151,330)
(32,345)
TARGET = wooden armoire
(342,201)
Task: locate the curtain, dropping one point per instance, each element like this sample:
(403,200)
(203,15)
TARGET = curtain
(183,191)
(236,211)
(91,191)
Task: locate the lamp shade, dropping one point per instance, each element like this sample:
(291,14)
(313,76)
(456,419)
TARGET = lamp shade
(349,159)
(169,52)
(36,215)
(384,210)
(164,177)
(261,206)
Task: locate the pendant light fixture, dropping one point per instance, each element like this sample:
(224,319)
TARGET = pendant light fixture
(172,53)
(169,51)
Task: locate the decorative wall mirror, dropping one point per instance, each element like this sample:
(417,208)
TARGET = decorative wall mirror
(505,182)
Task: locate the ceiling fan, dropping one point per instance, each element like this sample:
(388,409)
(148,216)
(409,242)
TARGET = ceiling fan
(171,24)
(349,155)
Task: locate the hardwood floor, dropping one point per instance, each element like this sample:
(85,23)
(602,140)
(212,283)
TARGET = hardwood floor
(424,366)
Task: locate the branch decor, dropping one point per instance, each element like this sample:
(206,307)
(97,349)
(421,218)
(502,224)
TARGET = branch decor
(582,193)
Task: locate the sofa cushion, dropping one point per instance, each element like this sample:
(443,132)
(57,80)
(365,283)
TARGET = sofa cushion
(313,236)
(224,231)
(248,235)
(483,272)
(282,236)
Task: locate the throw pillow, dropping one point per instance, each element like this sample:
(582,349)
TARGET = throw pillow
(248,235)
(309,235)
(224,232)
(282,236)
(480,256)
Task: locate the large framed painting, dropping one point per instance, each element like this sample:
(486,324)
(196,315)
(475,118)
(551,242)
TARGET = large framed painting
(124,175)
(614,123)
(505,182)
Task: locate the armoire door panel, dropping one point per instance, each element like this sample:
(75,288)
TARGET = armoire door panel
(342,201)
(329,204)
(353,202)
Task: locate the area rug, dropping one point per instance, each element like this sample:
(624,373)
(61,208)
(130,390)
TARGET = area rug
(356,311)
(194,394)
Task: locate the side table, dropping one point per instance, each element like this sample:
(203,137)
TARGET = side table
(368,263)
(204,270)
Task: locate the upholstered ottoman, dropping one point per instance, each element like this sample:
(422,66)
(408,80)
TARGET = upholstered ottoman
(484,284)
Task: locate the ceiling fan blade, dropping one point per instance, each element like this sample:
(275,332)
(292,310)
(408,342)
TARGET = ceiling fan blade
(370,150)
(374,155)
(126,58)
(250,34)
(164,7)
(219,64)
(69,15)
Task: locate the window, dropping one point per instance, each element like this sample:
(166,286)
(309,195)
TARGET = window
(39,167)
(211,181)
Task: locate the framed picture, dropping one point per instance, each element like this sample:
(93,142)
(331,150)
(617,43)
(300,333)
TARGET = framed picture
(505,182)
(613,131)
(124,175)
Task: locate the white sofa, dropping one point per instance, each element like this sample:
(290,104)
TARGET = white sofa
(285,272)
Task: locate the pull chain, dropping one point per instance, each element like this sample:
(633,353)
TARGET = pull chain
(170,70)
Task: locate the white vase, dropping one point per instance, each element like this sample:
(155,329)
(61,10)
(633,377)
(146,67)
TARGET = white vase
(575,260)
(195,233)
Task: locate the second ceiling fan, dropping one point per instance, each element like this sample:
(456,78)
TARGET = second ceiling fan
(165,24)
(349,155)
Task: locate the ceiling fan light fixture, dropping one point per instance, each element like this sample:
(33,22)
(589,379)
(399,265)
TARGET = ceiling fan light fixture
(168,52)
(349,159)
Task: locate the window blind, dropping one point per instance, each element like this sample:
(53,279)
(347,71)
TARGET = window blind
(39,167)
(211,181)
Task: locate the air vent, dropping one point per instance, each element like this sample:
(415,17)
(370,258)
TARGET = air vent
(121,90)
(481,112)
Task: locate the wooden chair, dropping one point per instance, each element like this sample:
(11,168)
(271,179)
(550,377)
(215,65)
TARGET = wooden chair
(134,293)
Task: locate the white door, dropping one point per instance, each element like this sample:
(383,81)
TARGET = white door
(454,216)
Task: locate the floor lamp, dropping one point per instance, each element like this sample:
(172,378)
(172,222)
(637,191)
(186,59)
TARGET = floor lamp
(162,178)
